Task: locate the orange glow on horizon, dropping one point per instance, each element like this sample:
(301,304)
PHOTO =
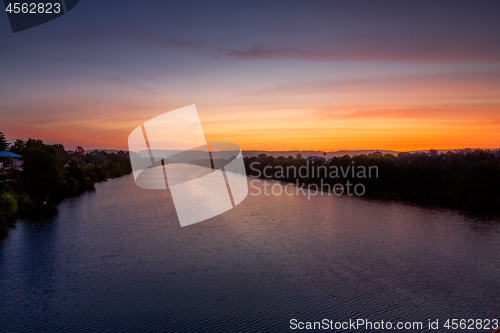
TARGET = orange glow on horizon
(283,130)
(395,113)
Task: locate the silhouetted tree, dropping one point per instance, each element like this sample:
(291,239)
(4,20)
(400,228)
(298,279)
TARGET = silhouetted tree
(4,145)
(43,172)
(80,152)
(464,178)
(18,147)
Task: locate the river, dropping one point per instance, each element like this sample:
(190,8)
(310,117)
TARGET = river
(116,260)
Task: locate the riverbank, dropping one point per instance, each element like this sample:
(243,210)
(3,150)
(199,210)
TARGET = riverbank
(462,179)
(51,174)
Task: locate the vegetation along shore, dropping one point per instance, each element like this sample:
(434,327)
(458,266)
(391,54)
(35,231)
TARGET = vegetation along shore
(465,179)
(48,174)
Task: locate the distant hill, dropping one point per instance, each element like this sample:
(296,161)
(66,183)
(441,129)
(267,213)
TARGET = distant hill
(109,151)
(307,153)
(338,153)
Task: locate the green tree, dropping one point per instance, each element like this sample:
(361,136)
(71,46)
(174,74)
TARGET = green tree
(8,208)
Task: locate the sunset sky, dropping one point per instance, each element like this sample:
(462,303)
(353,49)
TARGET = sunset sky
(306,75)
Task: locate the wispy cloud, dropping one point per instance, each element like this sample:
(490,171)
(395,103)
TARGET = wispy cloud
(386,51)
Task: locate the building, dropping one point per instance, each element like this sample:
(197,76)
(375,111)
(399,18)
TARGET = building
(16,161)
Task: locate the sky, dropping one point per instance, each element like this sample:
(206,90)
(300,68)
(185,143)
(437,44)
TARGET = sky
(266,75)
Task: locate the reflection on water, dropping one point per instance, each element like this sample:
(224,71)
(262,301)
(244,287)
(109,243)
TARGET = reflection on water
(116,260)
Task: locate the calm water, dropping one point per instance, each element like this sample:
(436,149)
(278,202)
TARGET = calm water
(116,260)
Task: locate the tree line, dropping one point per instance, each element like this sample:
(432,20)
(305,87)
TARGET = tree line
(465,179)
(51,174)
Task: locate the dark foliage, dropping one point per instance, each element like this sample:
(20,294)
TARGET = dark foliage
(466,179)
(50,174)
(4,145)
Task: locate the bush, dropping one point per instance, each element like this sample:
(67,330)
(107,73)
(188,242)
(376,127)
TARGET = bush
(8,209)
